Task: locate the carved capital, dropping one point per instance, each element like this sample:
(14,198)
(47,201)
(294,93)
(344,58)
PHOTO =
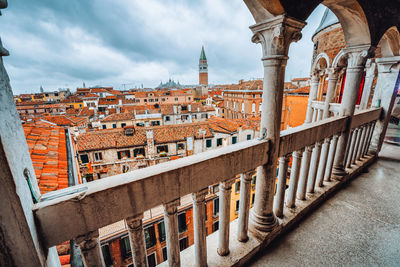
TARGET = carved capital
(200,196)
(88,241)
(275,36)
(171,208)
(386,64)
(226,185)
(245,177)
(134,223)
(358,55)
(333,73)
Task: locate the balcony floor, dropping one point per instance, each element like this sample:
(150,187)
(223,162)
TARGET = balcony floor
(360,225)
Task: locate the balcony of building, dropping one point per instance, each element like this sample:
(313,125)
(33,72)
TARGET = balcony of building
(330,153)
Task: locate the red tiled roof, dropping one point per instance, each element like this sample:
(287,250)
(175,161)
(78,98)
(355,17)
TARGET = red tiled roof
(63,120)
(47,147)
(119,117)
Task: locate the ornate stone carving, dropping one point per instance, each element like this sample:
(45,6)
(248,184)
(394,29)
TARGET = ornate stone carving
(199,196)
(358,55)
(275,35)
(89,241)
(171,208)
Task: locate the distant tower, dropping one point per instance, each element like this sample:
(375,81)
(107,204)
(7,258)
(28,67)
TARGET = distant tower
(203,68)
(41,89)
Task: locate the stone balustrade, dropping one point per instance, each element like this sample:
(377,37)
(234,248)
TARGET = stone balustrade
(127,196)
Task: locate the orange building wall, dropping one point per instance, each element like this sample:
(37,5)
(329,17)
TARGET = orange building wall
(294,110)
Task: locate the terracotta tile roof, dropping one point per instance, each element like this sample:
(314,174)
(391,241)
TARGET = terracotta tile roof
(116,138)
(72,99)
(47,147)
(90,95)
(300,90)
(63,120)
(119,117)
(103,101)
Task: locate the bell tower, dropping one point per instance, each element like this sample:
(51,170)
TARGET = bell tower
(203,68)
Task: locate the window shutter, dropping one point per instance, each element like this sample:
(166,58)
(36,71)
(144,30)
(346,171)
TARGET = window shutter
(128,153)
(119,155)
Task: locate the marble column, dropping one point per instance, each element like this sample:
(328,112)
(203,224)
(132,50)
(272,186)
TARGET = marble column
(356,58)
(275,36)
(294,179)
(199,225)
(385,93)
(90,249)
(311,113)
(136,236)
(281,186)
(330,92)
(171,230)
(244,204)
(369,81)
(225,189)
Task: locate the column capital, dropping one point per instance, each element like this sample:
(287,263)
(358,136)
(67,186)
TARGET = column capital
(134,222)
(276,34)
(172,207)
(333,73)
(246,177)
(88,241)
(358,55)
(227,185)
(385,64)
(199,196)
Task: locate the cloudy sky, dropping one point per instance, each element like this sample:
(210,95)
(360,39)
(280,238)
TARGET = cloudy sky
(126,43)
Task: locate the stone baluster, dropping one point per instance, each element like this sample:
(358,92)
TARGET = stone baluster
(371,134)
(356,145)
(281,186)
(171,230)
(275,36)
(347,146)
(367,138)
(320,114)
(314,162)
(357,57)
(294,179)
(199,225)
(224,216)
(362,142)
(331,156)
(330,97)
(244,204)
(90,249)
(315,114)
(305,167)
(322,162)
(136,237)
(385,93)
(350,148)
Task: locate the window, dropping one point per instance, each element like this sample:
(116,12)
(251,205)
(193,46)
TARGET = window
(252,199)
(151,100)
(162,149)
(219,142)
(123,125)
(237,207)
(215,227)
(84,158)
(155,123)
(260,107)
(125,247)
(104,126)
(163,99)
(182,227)
(124,154)
(164,254)
(243,107)
(167,118)
(237,187)
(156,100)
(98,156)
(184,108)
(254,96)
(253,183)
(145,100)
(176,99)
(204,116)
(150,236)
(253,107)
(180,146)
(114,125)
(209,143)
(234,139)
(183,243)
(249,137)
(188,98)
(105,249)
(137,100)
(151,260)
(139,152)
(216,207)
(161,231)
(125,168)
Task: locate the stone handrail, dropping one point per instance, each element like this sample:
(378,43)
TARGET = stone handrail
(103,202)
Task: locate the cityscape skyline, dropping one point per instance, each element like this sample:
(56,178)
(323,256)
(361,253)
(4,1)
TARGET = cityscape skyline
(101,49)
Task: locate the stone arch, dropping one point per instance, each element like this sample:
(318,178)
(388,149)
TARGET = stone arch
(349,12)
(340,60)
(321,56)
(390,43)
